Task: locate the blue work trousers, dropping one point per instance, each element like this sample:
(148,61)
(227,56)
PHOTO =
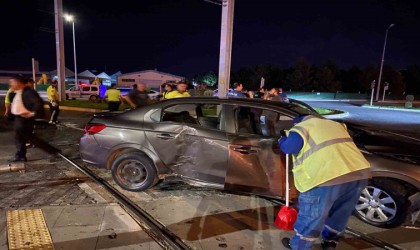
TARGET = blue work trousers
(325,210)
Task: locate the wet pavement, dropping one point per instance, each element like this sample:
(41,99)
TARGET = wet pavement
(77,216)
(203,217)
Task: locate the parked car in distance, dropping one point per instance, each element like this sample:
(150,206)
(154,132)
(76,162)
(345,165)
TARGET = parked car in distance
(153,94)
(227,144)
(90,92)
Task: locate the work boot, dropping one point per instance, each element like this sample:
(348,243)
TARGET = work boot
(328,245)
(286,243)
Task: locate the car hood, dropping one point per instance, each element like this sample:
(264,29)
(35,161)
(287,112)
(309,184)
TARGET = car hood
(394,144)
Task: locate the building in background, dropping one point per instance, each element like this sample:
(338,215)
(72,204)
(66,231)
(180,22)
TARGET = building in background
(152,78)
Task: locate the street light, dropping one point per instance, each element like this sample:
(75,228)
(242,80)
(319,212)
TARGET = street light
(382,62)
(70,18)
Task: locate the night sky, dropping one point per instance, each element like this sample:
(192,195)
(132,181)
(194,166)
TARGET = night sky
(182,36)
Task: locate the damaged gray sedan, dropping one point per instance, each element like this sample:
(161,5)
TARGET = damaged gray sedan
(227,144)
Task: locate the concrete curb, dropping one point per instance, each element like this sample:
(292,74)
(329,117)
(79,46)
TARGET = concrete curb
(89,110)
(337,116)
(395,109)
(330,100)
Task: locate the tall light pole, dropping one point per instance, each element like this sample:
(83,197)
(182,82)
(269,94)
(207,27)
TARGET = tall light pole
(225,46)
(382,62)
(59,47)
(70,18)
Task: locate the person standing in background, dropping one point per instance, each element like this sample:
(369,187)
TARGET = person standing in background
(181,91)
(26,105)
(138,96)
(168,89)
(283,95)
(114,98)
(53,98)
(260,94)
(237,91)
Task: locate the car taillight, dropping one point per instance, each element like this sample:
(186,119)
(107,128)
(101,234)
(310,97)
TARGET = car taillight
(91,129)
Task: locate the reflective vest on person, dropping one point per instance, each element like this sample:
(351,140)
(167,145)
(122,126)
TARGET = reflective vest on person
(328,152)
(52,94)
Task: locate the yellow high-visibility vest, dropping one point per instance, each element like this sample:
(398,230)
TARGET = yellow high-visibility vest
(52,93)
(113,95)
(328,152)
(176,94)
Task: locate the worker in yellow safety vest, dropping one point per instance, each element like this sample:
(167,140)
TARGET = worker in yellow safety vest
(330,173)
(53,102)
(181,91)
(113,95)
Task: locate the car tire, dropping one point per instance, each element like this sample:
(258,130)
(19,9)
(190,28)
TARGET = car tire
(134,172)
(93,98)
(67,97)
(383,203)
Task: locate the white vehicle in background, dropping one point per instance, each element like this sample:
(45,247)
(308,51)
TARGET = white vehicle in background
(83,92)
(153,94)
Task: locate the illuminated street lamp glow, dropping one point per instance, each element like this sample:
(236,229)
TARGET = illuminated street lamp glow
(69,18)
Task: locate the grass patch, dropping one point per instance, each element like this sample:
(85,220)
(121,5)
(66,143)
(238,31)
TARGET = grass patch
(324,111)
(89,104)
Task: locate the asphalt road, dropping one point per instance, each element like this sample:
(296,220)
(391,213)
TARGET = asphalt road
(407,123)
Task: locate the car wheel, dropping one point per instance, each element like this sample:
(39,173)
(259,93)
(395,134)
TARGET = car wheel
(67,97)
(134,172)
(383,203)
(93,98)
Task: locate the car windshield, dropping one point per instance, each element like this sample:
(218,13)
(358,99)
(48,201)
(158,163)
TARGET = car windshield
(302,108)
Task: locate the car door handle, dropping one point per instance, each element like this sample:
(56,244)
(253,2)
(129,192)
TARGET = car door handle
(245,150)
(165,136)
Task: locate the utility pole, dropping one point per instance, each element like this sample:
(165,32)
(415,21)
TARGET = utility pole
(59,47)
(225,46)
(76,80)
(382,62)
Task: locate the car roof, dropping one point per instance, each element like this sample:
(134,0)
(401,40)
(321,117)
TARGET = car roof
(233,101)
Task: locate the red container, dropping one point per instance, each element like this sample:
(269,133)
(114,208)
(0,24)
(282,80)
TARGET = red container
(286,218)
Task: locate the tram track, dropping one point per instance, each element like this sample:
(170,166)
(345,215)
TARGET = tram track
(156,230)
(167,239)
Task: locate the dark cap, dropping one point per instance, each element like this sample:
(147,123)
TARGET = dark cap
(20,78)
(236,84)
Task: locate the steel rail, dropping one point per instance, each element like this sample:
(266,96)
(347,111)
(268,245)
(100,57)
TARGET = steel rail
(161,234)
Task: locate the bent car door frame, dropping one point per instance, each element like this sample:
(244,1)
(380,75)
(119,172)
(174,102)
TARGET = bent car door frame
(190,150)
(255,165)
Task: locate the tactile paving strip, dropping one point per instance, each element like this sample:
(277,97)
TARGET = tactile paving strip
(26,229)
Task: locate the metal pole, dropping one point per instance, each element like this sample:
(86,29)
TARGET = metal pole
(225,46)
(382,62)
(386,86)
(59,46)
(33,73)
(372,85)
(383,96)
(76,80)
(371,98)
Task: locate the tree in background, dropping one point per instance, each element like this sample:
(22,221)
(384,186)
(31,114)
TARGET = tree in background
(301,77)
(397,86)
(411,77)
(209,78)
(369,74)
(326,77)
(351,80)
